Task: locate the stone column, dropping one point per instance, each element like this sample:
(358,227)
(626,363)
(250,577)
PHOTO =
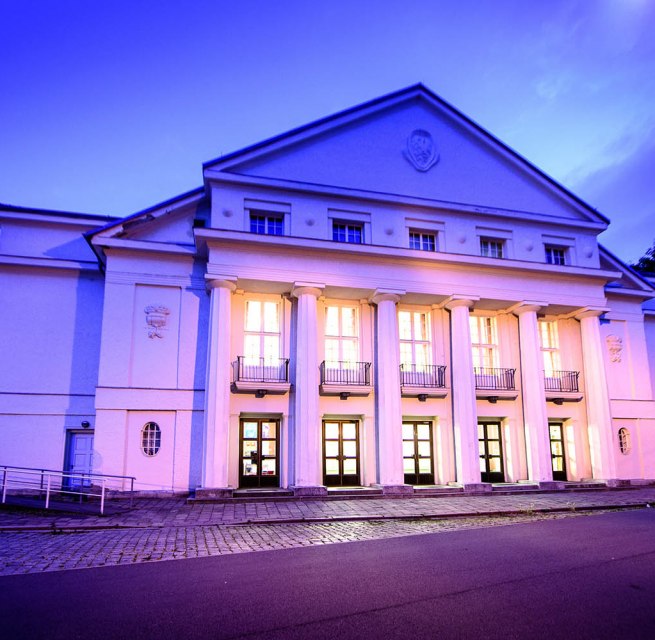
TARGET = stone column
(465,416)
(535,415)
(389,417)
(307,419)
(217,389)
(599,416)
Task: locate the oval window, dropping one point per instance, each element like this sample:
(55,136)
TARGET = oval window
(151,439)
(624,441)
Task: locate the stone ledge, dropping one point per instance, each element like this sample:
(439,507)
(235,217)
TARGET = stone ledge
(301,491)
(213,493)
(395,489)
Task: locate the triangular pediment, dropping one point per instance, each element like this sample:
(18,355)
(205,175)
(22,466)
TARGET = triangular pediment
(629,279)
(409,145)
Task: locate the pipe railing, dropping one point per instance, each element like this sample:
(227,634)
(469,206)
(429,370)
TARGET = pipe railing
(50,484)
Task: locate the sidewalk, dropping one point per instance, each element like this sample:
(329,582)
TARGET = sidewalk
(176,512)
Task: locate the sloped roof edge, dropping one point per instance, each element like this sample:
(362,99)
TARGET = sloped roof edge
(118,221)
(53,212)
(416,89)
(626,268)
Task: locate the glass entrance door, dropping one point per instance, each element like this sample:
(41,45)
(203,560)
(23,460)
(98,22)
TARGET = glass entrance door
(490,448)
(258,453)
(341,453)
(417,453)
(557,456)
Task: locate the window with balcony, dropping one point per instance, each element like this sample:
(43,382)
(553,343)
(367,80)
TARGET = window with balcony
(554,378)
(341,365)
(261,359)
(267,223)
(555,255)
(484,341)
(416,368)
(492,248)
(350,232)
(423,240)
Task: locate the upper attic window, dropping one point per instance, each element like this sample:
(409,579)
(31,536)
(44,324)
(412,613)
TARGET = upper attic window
(267,222)
(492,247)
(351,232)
(422,240)
(555,254)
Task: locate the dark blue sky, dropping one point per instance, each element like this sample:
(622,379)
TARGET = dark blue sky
(112,106)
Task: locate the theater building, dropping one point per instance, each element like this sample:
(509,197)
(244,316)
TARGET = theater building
(389,297)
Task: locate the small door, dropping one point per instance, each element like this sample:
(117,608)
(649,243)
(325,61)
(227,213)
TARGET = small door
(341,453)
(490,448)
(259,464)
(79,459)
(417,453)
(557,450)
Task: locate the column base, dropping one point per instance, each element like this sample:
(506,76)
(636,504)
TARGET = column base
(552,485)
(214,493)
(395,489)
(318,490)
(477,487)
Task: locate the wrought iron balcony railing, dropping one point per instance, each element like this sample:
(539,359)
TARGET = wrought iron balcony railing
(346,373)
(494,378)
(561,381)
(422,375)
(247,369)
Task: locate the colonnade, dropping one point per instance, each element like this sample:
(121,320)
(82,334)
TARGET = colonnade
(306,415)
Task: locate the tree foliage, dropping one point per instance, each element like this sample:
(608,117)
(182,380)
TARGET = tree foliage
(646,264)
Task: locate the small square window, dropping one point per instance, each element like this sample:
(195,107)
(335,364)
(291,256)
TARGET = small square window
(351,232)
(264,222)
(422,241)
(492,247)
(555,255)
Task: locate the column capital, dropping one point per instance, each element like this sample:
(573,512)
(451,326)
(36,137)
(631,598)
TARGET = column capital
(220,282)
(589,312)
(526,306)
(384,295)
(307,288)
(456,300)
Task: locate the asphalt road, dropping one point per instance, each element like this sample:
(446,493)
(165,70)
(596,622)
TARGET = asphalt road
(587,577)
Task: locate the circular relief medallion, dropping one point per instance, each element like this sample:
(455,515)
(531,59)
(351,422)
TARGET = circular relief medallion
(421,150)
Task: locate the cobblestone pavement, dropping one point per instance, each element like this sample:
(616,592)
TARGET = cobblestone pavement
(37,551)
(171,528)
(176,512)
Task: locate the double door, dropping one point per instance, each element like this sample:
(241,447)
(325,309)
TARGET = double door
(259,463)
(490,449)
(418,463)
(341,453)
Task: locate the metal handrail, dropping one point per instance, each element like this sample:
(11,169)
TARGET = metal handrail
(561,381)
(345,372)
(266,369)
(423,375)
(41,481)
(494,378)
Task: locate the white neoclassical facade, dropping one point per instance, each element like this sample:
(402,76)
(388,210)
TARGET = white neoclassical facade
(389,297)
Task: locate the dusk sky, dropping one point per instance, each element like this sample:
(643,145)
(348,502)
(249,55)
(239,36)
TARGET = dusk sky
(112,106)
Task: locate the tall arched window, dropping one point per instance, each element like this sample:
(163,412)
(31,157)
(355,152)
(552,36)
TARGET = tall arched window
(151,439)
(625,444)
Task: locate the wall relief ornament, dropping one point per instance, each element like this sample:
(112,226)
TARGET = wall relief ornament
(156,319)
(421,150)
(615,347)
